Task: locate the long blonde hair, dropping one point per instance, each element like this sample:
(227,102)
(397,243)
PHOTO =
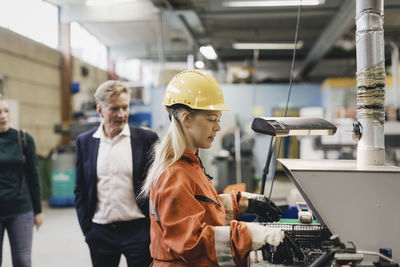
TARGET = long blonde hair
(168,151)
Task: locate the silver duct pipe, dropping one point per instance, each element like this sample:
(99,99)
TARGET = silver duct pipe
(370,82)
(161,54)
(395,73)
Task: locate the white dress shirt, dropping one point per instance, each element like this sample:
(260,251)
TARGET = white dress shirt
(115,196)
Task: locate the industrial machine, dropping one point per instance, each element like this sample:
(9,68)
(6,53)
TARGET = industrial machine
(357,204)
(308,242)
(234,161)
(357,200)
(75,128)
(310,239)
(304,213)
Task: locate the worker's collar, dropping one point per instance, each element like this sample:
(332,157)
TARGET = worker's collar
(194,159)
(100,132)
(190,156)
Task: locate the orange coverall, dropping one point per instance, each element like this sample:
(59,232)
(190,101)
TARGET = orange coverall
(188,221)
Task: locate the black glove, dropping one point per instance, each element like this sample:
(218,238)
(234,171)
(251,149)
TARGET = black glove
(287,252)
(264,208)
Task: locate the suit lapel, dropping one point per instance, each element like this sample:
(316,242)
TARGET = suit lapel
(137,151)
(94,149)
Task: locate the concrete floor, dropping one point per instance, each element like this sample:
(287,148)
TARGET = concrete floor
(60,243)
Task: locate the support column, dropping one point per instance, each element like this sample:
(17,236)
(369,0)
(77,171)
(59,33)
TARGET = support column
(370,82)
(66,78)
(395,73)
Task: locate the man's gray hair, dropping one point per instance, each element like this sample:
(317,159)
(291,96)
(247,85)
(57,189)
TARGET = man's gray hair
(108,89)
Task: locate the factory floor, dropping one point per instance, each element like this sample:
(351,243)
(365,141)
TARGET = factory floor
(60,243)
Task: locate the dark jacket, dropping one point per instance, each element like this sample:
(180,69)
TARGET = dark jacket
(13,200)
(87,147)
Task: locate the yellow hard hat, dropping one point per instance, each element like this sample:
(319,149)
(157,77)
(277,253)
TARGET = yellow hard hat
(195,89)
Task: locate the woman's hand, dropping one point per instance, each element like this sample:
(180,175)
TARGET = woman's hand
(262,235)
(262,206)
(38,220)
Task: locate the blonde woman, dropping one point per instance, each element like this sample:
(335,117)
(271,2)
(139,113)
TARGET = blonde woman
(190,224)
(20,191)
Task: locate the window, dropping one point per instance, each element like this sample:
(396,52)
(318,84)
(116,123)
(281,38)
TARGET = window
(87,47)
(34,19)
(129,69)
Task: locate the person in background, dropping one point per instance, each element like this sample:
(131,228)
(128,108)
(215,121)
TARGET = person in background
(191,225)
(20,191)
(111,165)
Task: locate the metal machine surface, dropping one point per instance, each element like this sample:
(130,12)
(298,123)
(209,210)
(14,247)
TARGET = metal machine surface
(358,205)
(75,128)
(286,126)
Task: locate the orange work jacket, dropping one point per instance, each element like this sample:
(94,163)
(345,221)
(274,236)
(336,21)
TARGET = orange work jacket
(188,221)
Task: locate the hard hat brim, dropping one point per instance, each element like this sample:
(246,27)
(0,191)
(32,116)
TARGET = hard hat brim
(215,107)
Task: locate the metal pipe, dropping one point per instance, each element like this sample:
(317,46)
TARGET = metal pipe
(370,82)
(160,41)
(238,158)
(395,73)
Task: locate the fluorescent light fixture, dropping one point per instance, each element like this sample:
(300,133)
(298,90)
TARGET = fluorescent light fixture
(209,52)
(107,2)
(269,3)
(267,46)
(199,64)
(292,126)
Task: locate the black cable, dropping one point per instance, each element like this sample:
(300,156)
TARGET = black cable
(270,154)
(290,88)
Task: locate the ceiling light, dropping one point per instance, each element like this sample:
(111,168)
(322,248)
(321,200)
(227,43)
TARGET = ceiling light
(273,3)
(107,2)
(209,52)
(267,46)
(199,64)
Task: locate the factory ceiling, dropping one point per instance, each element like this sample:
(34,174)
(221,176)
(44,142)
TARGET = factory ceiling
(326,32)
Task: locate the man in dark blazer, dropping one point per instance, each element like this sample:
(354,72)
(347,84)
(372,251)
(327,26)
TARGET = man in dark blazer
(111,166)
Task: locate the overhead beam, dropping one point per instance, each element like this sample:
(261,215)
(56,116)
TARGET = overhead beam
(190,19)
(189,30)
(167,4)
(265,15)
(341,22)
(273,35)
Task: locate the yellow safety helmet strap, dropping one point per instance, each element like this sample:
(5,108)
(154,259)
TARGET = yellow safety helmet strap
(171,109)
